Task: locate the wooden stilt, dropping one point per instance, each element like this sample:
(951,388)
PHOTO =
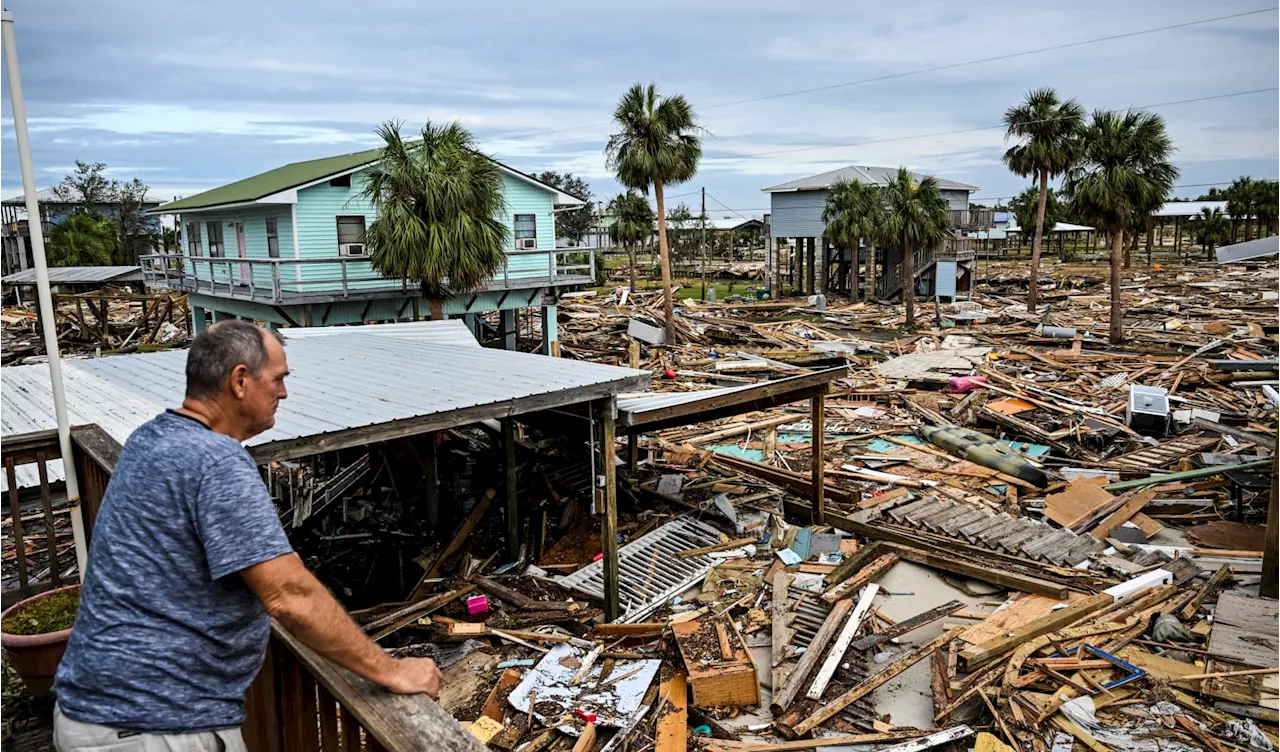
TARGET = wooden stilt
(816,409)
(609,516)
(509,468)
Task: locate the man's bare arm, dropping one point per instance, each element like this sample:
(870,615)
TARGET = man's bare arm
(294,597)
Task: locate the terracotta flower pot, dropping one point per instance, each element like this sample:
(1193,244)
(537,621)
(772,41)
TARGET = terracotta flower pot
(35,657)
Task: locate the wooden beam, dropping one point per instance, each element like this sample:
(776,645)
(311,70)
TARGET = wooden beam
(785,695)
(908,625)
(609,515)
(868,686)
(509,472)
(976,655)
(771,393)
(673,724)
(1271,547)
(781,632)
(864,576)
(459,539)
(836,654)
(817,455)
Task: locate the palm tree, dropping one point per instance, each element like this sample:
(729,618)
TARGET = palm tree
(657,144)
(915,217)
(1240,199)
(438,203)
(853,215)
(1209,228)
(1026,209)
(1048,134)
(86,239)
(632,224)
(1266,193)
(1124,169)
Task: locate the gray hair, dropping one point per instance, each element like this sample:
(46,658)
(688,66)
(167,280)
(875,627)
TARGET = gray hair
(219,349)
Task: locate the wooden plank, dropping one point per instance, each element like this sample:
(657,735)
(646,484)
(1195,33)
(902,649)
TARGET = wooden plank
(784,696)
(1216,581)
(673,723)
(781,635)
(817,435)
(1011,580)
(1244,630)
(1082,497)
(509,476)
(841,645)
(1123,514)
(609,515)
(15,515)
(868,573)
(719,681)
(870,685)
(908,625)
(976,655)
(50,531)
(397,722)
(586,740)
(459,539)
(329,739)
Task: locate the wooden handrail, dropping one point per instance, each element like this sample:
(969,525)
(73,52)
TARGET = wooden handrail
(301,699)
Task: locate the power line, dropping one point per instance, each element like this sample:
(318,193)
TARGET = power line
(991,127)
(723,206)
(933,69)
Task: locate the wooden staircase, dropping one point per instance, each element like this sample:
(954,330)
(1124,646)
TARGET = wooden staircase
(890,283)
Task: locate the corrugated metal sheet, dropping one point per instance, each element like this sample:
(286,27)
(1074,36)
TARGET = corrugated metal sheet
(83,275)
(798,214)
(633,407)
(453,332)
(861,174)
(354,378)
(1249,249)
(1189,208)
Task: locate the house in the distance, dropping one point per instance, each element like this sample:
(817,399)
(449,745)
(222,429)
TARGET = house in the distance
(286,247)
(15,232)
(811,265)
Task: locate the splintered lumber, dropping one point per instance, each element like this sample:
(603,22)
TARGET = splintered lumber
(908,625)
(870,685)
(781,632)
(639,629)
(587,739)
(464,532)
(518,599)
(1123,514)
(988,573)
(406,616)
(842,642)
(1216,581)
(859,580)
(785,695)
(976,655)
(717,681)
(721,745)
(853,562)
(673,724)
(726,546)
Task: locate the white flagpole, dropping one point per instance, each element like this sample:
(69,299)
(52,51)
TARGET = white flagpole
(42,290)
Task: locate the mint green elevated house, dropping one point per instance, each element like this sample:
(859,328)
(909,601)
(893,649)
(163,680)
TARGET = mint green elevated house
(286,247)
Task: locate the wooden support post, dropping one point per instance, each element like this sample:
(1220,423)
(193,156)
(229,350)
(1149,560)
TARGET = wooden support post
(509,468)
(431,480)
(1271,547)
(609,519)
(633,451)
(816,410)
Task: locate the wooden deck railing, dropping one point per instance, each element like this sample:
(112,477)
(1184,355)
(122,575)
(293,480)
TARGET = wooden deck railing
(45,558)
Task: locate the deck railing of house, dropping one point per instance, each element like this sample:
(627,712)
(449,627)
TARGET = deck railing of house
(972,219)
(953,249)
(299,700)
(40,520)
(280,281)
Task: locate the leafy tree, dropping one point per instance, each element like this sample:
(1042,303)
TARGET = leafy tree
(88,185)
(1210,228)
(1026,208)
(915,217)
(632,225)
(681,231)
(83,239)
(438,203)
(572,225)
(853,215)
(1048,133)
(1241,196)
(657,144)
(1124,169)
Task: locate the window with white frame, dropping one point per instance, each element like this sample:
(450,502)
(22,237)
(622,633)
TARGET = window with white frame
(214,231)
(526,232)
(351,235)
(273,237)
(193,239)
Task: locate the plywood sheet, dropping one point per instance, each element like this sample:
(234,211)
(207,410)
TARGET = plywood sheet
(1082,497)
(1024,610)
(1245,630)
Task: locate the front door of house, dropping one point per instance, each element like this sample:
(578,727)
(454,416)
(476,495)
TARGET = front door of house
(240,250)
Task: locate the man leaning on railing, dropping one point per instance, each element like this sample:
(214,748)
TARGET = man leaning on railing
(188,560)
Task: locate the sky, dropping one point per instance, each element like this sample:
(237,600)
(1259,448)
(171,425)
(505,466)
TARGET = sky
(189,96)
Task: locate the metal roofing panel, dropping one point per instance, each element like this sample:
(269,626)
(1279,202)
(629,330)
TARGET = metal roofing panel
(354,379)
(1189,208)
(860,174)
(67,275)
(1249,249)
(447,332)
(632,407)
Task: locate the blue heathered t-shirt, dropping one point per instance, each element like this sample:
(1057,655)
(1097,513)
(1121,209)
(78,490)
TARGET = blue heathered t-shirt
(168,636)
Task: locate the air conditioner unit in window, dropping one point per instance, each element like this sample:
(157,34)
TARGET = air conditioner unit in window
(526,244)
(351,249)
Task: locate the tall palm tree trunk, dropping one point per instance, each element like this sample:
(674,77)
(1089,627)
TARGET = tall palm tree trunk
(1117,314)
(871,273)
(1037,242)
(631,254)
(909,281)
(664,255)
(853,270)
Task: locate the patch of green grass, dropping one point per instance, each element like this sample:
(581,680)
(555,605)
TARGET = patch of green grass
(52,614)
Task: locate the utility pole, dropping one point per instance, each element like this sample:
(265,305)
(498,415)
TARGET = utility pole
(44,297)
(704,244)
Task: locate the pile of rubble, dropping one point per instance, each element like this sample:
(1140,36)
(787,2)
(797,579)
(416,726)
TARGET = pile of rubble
(1030,539)
(107,321)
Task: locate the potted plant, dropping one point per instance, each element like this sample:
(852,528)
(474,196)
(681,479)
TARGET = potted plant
(34,633)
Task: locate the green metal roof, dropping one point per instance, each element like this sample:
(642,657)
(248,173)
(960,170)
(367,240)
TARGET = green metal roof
(272,181)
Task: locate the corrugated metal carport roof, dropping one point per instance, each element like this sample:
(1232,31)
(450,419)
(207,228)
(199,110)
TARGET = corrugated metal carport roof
(78,275)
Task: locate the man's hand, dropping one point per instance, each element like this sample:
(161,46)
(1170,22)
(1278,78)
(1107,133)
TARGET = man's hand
(411,676)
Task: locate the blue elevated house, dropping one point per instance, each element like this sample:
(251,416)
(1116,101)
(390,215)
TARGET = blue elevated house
(796,241)
(286,247)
